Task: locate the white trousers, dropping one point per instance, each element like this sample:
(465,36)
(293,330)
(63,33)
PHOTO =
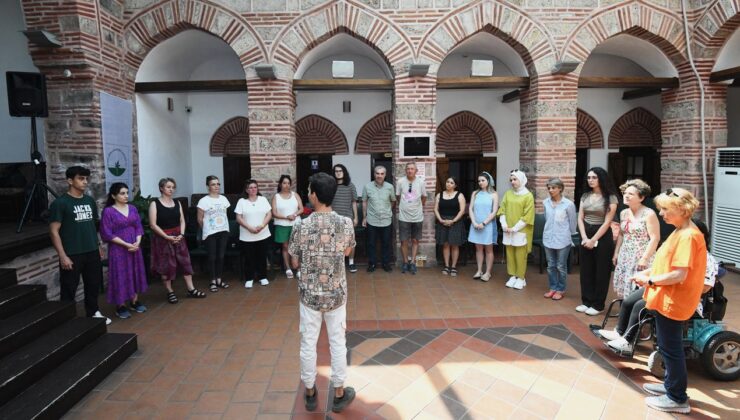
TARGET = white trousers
(310,326)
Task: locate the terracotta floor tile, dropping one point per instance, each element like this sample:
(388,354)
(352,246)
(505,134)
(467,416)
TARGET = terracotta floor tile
(257,374)
(278,403)
(492,408)
(212,402)
(187,392)
(265,358)
(284,382)
(201,374)
(540,405)
(224,381)
(127,391)
(580,404)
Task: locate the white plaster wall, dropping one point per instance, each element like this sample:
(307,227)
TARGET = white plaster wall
(729,56)
(164,142)
(365,105)
(15,135)
(459,65)
(365,68)
(209,112)
(733,116)
(504,118)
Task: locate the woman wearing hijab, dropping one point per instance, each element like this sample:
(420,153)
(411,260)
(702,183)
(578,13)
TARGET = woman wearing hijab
(517,223)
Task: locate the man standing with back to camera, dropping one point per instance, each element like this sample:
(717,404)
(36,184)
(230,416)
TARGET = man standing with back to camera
(318,245)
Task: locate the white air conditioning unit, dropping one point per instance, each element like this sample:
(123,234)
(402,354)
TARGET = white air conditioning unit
(726,217)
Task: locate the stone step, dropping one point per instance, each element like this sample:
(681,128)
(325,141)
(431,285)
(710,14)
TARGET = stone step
(28,364)
(8,277)
(15,299)
(62,388)
(24,327)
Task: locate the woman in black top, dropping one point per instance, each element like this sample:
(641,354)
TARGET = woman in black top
(169,249)
(449,208)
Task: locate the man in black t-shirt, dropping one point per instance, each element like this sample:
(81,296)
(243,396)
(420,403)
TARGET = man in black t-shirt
(72,227)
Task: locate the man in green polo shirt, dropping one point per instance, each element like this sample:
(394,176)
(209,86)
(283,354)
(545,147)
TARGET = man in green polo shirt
(378,200)
(72,227)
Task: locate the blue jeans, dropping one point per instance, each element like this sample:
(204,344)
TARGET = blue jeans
(670,344)
(373,232)
(557,267)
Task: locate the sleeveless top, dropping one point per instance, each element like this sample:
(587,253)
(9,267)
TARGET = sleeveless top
(284,208)
(168,217)
(448,208)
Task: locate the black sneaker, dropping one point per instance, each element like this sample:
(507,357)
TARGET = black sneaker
(313,400)
(340,404)
(352,268)
(404,267)
(371,268)
(387,268)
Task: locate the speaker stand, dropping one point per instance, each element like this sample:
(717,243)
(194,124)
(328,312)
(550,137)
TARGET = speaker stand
(39,186)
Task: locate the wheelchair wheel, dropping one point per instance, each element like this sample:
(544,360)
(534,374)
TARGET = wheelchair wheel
(656,365)
(721,356)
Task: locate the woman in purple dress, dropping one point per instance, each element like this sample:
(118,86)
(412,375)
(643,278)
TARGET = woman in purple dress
(120,227)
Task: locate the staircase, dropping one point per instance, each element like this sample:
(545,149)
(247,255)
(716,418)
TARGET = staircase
(49,357)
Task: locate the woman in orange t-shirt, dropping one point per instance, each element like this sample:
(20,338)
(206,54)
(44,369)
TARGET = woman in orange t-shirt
(673,287)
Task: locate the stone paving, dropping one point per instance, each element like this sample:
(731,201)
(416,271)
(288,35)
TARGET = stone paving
(426,347)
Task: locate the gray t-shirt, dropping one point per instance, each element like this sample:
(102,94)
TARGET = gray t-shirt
(593,208)
(410,208)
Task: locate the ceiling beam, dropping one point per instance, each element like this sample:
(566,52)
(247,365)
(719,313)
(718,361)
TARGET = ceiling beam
(627,82)
(640,93)
(342,84)
(238,85)
(726,74)
(493,82)
(511,96)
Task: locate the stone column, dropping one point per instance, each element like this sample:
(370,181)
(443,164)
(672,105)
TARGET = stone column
(271,130)
(414,105)
(548,133)
(681,164)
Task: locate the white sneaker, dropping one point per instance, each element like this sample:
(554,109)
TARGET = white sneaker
(298,274)
(511,281)
(581,308)
(519,284)
(99,315)
(620,344)
(485,277)
(248,284)
(609,335)
(593,312)
(264,282)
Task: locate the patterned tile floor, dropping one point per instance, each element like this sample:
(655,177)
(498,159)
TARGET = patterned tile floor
(425,347)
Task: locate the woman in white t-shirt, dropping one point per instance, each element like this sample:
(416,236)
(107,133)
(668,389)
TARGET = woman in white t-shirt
(286,208)
(253,215)
(214,224)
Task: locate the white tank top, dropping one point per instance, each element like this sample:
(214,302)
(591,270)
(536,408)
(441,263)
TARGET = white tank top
(284,208)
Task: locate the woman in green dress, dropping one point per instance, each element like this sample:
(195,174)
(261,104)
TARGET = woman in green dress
(517,223)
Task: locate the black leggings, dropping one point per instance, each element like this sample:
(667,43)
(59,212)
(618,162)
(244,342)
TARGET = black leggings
(255,259)
(632,310)
(216,246)
(596,268)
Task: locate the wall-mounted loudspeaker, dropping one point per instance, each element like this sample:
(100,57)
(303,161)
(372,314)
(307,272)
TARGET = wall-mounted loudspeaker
(26,94)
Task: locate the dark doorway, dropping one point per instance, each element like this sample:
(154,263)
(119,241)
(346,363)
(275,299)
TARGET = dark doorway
(465,169)
(385,160)
(636,162)
(581,168)
(308,165)
(237,170)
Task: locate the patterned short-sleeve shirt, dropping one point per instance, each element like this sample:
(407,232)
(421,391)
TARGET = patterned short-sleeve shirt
(319,242)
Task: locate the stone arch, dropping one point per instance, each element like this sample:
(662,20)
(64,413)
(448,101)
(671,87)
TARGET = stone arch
(309,30)
(588,134)
(164,20)
(636,128)
(638,19)
(315,134)
(716,25)
(375,135)
(465,132)
(527,37)
(231,139)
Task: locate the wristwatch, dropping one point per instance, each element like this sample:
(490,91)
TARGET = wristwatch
(650,282)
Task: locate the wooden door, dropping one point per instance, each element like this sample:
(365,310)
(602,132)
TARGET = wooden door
(443,172)
(237,170)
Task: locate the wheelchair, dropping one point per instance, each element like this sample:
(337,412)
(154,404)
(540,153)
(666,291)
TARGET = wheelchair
(705,338)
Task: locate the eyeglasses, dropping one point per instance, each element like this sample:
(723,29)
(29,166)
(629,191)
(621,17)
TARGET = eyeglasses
(410,187)
(338,171)
(669,192)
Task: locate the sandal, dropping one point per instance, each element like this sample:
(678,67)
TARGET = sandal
(549,294)
(214,287)
(220,283)
(195,293)
(453,272)
(557,295)
(171,297)
(446,270)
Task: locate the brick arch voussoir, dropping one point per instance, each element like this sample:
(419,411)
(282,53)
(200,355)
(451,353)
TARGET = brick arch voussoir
(151,26)
(589,134)
(526,36)
(633,18)
(465,131)
(316,134)
(640,119)
(318,25)
(231,138)
(716,25)
(375,135)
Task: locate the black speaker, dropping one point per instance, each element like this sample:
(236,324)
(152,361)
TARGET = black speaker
(27,94)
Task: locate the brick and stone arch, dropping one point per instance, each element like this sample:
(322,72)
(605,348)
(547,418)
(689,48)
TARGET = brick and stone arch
(231,139)
(529,39)
(589,134)
(375,135)
(715,27)
(307,31)
(636,128)
(315,134)
(465,132)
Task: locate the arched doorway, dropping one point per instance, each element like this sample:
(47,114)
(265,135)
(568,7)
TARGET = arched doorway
(588,136)
(636,136)
(317,141)
(374,138)
(231,142)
